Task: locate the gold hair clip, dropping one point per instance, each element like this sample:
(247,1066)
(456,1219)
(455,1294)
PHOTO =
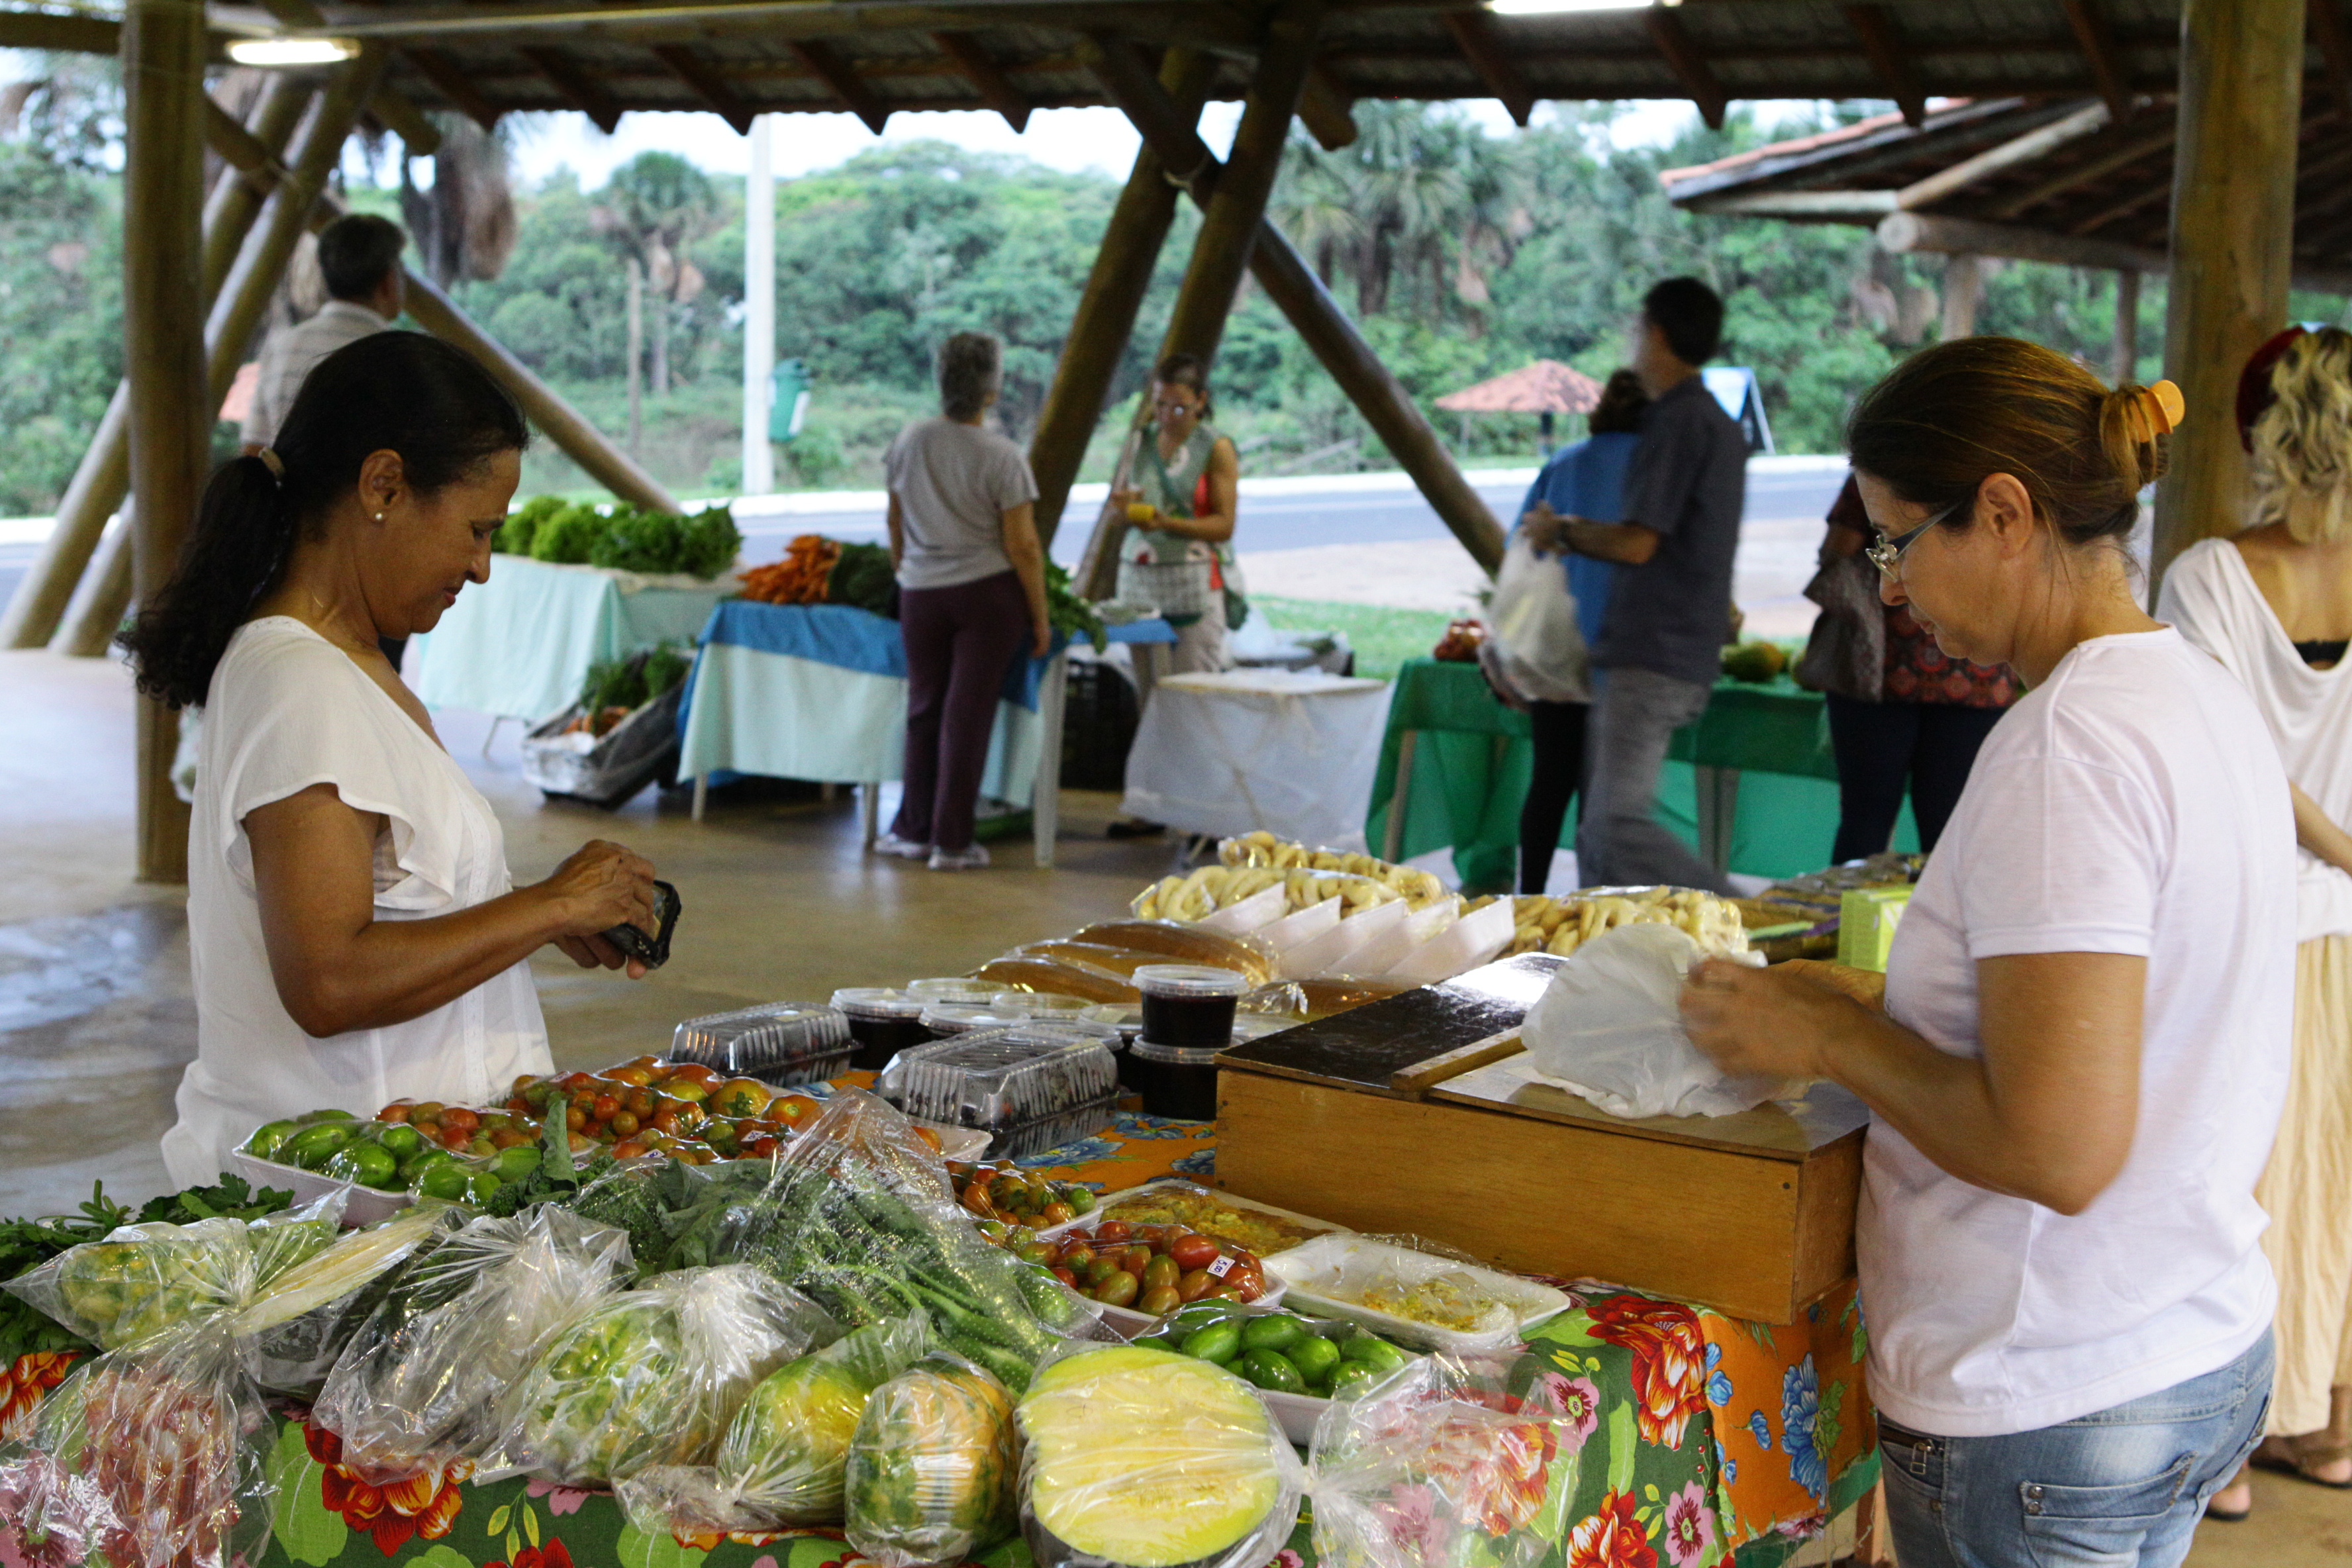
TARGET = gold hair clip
(276,465)
(2164,406)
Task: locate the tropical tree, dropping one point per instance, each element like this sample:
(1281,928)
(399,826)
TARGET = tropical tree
(655,208)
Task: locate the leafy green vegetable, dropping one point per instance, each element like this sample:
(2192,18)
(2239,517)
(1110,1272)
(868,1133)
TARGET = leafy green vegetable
(667,664)
(567,538)
(555,1179)
(864,577)
(1070,614)
(515,535)
(639,541)
(232,1198)
(634,682)
(709,542)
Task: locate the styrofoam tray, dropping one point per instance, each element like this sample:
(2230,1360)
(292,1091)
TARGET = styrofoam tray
(364,1206)
(1334,951)
(1323,1275)
(1260,910)
(1420,926)
(1306,925)
(1461,947)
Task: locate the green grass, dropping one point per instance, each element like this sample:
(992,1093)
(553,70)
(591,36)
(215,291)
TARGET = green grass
(1383,638)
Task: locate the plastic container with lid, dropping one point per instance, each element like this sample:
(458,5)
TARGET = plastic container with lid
(1190,1004)
(1180,1081)
(1040,1005)
(945,1018)
(782,1043)
(1031,1089)
(882,1021)
(962,990)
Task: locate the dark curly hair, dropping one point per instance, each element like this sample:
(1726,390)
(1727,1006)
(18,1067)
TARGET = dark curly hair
(399,392)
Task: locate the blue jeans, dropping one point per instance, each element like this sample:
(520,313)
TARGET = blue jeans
(2120,1488)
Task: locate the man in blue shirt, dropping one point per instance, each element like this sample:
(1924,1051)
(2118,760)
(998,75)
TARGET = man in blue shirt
(1661,644)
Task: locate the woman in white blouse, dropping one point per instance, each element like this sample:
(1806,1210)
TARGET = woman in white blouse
(2274,606)
(352,930)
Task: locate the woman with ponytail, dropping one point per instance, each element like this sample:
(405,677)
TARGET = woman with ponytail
(354,932)
(2079,1059)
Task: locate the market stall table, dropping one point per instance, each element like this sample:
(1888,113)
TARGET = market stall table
(1290,752)
(520,645)
(1753,782)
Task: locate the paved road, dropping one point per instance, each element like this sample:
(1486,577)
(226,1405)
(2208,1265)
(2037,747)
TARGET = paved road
(1784,511)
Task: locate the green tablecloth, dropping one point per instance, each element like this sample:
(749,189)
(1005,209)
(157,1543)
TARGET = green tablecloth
(1473,759)
(519,644)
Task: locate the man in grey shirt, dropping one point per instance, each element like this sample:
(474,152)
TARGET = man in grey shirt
(1661,643)
(359,256)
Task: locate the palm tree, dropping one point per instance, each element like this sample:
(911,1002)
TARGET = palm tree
(655,207)
(464,224)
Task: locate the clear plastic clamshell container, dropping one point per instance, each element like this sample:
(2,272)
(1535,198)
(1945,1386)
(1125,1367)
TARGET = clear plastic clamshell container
(1031,1089)
(781,1043)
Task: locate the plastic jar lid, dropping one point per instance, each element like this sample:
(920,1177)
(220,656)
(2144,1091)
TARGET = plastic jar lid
(1188,979)
(1078,1029)
(877,1002)
(1179,1055)
(962,1018)
(959,989)
(1043,1005)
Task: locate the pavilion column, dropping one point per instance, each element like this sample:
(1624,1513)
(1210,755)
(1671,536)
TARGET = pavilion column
(2233,224)
(1105,320)
(163,48)
(1229,226)
(1963,291)
(2126,366)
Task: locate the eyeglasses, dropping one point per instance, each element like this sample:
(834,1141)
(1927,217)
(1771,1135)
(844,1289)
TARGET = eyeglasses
(1887,554)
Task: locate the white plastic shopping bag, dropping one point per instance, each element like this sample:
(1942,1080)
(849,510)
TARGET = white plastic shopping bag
(1609,1026)
(1533,648)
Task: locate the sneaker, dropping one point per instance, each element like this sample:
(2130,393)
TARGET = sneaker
(970,859)
(891,844)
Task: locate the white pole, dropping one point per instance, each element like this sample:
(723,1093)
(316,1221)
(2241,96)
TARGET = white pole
(759,308)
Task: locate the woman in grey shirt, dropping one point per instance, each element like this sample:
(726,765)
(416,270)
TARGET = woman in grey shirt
(972,579)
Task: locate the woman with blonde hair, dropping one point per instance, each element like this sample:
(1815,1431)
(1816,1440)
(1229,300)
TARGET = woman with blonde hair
(2274,606)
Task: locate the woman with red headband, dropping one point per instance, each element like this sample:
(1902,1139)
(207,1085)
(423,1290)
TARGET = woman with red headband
(2274,606)
(2084,1044)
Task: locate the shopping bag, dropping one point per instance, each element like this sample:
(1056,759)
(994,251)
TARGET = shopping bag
(1846,652)
(1534,650)
(1608,1026)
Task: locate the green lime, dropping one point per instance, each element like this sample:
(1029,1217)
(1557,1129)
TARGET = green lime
(447,1183)
(1314,1357)
(313,1146)
(1374,1353)
(1217,1342)
(513,1165)
(1347,1373)
(269,1139)
(484,1186)
(1272,1370)
(1273,1332)
(365,1164)
(400,1140)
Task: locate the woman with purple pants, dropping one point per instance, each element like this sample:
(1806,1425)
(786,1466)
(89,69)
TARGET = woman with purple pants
(972,581)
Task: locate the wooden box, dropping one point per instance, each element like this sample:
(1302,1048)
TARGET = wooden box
(1752,1214)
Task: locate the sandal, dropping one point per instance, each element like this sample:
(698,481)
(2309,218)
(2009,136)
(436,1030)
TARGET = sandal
(2288,1459)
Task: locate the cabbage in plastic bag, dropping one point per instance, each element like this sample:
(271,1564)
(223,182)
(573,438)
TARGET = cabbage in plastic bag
(653,1377)
(1434,1466)
(1609,1026)
(931,1468)
(782,1461)
(418,1386)
(1136,1456)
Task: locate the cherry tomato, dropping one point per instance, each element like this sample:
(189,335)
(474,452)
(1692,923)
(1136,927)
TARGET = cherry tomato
(457,1138)
(1192,1251)
(576,1118)
(640,1101)
(793,1109)
(1118,1289)
(1195,1285)
(628,1149)
(1114,1230)
(458,1116)
(760,1148)
(1134,1258)
(624,1125)
(692,1072)
(397,1111)
(1159,1303)
(1066,1276)
(508,1137)
(425,1110)
(1053,1214)
(634,1076)
(1077,1254)
(604,1107)
(665,1120)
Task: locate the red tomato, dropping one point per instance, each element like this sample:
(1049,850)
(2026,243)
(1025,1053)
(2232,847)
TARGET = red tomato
(635,1077)
(760,1148)
(1114,1230)
(793,1109)
(457,1138)
(692,1072)
(604,1107)
(1067,1275)
(458,1116)
(576,1118)
(640,1102)
(1192,1251)
(1134,1258)
(1077,1255)
(1195,1285)
(665,1120)
(397,1111)
(628,1149)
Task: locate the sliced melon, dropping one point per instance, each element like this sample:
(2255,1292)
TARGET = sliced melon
(1145,1459)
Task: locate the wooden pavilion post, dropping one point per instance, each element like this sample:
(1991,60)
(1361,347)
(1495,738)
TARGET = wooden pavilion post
(1105,320)
(1300,296)
(2233,224)
(1229,226)
(163,50)
(2126,366)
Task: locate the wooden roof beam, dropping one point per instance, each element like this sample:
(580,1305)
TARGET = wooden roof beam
(2117,211)
(2335,41)
(2121,156)
(1475,36)
(834,73)
(2098,42)
(451,81)
(2026,149)
(1884,47)
(574,86)
(987,78)
(1690,66)
(703,78)
(1327,109)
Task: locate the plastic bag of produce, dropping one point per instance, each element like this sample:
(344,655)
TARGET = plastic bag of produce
(931,1468)
(652,1376)
(782,1461)
(1608,1026)
(292,1336)
(1435,1464)
(1141,1458)
(860,1217)
(144,1279)
(419,1386)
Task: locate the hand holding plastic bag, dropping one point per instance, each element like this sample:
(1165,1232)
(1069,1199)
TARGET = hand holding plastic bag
(785,1454)
(931,1467)
(652,1376)
(1608,1026)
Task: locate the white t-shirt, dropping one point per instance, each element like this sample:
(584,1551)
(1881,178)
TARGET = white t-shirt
(2134,804)
(2211,597)
(954,483)
(287,709)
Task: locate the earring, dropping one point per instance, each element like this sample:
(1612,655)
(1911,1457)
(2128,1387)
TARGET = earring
(379,517)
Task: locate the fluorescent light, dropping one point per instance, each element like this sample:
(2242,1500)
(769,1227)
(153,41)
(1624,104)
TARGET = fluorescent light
(284,52)
(1554,7)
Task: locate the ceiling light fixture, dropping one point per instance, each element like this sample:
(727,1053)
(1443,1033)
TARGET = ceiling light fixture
(282,53)
(1556,7)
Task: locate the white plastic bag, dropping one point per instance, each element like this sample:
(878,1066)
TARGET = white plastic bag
(931,1467)
(1533,646)
(1609,1026)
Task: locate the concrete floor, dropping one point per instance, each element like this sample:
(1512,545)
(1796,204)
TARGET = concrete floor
(96,1020)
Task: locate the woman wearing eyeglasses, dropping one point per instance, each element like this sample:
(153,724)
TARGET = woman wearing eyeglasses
(2085,1041)
(1180,555)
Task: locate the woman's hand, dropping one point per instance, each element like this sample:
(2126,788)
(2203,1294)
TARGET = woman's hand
(1546,528)
(1766,1023)
(603,885)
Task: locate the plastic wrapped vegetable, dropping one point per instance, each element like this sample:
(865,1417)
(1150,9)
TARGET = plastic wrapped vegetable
(145,1279)
(653,1377)
(1139,1457)
(1435,1464)
(292,1336)
(931,1468)
(419,1386)
(782,1461)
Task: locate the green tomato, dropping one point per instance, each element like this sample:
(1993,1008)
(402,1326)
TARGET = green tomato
(1315,1357)
(450,1182)
(313,1146)
(269,1139)
(1272,1332)
(1218,1342)
(365,1163)
(1347,1375)
(400,1140)
(1272,1370)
